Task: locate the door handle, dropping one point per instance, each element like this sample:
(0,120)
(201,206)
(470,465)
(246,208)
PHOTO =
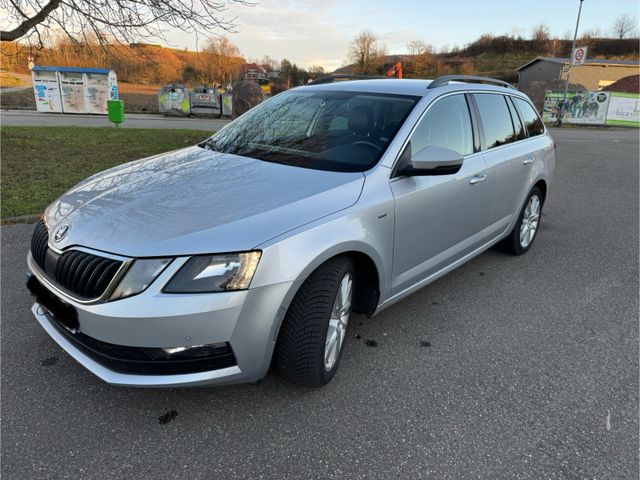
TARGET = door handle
(528,160)
(478,178)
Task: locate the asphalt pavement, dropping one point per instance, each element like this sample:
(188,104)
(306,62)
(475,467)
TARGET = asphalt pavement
(507,368)
(32,118)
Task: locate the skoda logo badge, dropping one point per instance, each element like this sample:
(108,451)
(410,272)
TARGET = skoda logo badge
(62,232)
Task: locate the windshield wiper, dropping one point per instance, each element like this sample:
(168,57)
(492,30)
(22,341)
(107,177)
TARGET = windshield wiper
(208,143)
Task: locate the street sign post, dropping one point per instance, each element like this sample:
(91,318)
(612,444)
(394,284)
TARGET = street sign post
(582,56)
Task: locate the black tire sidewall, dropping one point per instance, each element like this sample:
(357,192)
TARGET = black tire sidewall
(299,352)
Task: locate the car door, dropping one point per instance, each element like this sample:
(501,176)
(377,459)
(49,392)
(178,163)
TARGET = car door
(438,218)
(507,155)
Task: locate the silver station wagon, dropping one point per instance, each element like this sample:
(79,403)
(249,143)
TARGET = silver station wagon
(208,264)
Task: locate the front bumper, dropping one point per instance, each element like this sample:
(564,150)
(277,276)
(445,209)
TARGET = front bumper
(247,321)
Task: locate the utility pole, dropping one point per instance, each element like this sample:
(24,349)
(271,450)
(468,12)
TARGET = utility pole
(566,85)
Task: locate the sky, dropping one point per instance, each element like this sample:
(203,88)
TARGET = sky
(318,32)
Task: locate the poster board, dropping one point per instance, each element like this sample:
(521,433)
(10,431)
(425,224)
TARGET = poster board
(624,109)
(582,107)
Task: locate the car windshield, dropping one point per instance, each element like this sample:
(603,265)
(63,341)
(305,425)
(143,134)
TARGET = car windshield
(326,130)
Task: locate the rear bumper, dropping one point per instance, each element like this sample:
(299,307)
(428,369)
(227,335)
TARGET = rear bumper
(246,322)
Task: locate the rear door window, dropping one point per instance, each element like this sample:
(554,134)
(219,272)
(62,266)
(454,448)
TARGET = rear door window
(530,117)
(495,118)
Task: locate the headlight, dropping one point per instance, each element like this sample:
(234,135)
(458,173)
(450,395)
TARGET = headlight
(215,273)
(139,277)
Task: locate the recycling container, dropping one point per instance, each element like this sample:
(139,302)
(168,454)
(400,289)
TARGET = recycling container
(205,102)
(174,100)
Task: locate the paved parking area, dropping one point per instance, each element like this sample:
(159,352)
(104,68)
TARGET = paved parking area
(531,370)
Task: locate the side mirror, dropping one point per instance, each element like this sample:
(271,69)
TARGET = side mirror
(433,160)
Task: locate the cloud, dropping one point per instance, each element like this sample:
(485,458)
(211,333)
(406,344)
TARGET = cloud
(304,31)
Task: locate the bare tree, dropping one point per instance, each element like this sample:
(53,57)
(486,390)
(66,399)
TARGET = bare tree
(269,64)
(366,53)
(589,37)
(555,46)
(625,25)
(125,21)
(422,60)
(541,32)
(224,59)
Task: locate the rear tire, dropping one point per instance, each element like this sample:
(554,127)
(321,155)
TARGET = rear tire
(317,316)
(526,228)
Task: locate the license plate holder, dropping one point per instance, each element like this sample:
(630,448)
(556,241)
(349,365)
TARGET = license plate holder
(63,313)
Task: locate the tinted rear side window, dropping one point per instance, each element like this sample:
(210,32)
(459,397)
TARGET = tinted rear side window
(531,119)
(520,132)
(446,124)
(495,118)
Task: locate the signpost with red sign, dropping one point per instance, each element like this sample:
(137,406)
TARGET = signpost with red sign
(579,56)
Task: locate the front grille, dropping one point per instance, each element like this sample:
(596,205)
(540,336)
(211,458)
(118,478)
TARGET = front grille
(86,275)
(39,241)
(81,274)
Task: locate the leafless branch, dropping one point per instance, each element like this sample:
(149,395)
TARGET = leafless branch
(125,21)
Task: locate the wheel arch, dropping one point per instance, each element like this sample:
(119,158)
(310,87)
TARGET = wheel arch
(542,186)
(369,274)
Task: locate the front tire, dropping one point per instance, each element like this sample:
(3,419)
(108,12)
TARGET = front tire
(313,332)
(526,228)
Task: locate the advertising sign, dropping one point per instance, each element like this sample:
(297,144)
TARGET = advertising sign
(97,93)
(113,86)
(586,108)
(624,109)
(73,92)
(47,91)
(73,89)
(579,55)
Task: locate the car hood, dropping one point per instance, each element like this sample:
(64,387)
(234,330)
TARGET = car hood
(195,201)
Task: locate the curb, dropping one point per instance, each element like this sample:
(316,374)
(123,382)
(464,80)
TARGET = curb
(19,219)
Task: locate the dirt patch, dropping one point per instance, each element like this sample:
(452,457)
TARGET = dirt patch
(22,99)
(630,84)
(140,102)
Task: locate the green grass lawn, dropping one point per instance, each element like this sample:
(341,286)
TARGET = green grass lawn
(40,163)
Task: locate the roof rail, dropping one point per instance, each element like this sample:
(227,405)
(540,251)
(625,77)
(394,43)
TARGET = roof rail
(341,76)
(438,82)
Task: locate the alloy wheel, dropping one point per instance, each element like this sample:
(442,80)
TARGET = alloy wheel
(337,330)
